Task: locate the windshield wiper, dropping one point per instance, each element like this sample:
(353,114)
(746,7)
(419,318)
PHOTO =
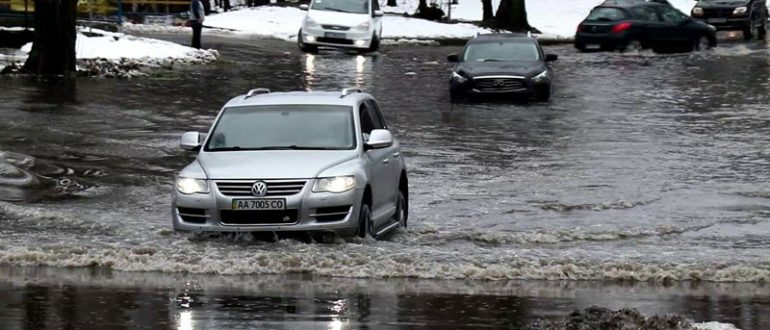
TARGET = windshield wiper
(338,10)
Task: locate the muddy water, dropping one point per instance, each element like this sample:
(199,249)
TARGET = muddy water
(643,167)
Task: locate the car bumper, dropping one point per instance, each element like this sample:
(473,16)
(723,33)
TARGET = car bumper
(305,211)
(727,24)
(352,39)
(599,41)
(472,87)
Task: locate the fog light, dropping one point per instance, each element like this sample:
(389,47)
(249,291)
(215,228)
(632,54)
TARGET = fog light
(309,38)
(360,43)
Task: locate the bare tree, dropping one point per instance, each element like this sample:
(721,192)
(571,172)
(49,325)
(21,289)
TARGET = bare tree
(53,49)
(512,15)
(488,14)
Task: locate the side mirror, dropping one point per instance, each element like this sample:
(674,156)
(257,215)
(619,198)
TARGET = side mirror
(551,57)
(453,58)
(191,141)
(378,13)
(304,7)
(379,138)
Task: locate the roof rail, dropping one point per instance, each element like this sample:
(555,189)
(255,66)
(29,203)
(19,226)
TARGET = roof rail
(257,91)
(351,90)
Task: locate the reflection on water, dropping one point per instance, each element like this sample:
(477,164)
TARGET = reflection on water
(35,298)
(337,69)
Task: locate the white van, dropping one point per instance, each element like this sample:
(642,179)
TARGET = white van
(350,24)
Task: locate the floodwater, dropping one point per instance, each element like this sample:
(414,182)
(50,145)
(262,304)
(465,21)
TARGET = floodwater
(644,167)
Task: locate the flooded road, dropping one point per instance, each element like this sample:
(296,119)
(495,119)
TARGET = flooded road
(643,167)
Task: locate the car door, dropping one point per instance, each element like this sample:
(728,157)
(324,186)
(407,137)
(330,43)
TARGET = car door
(650,24)
(379,165)
(676,31)
(394,153)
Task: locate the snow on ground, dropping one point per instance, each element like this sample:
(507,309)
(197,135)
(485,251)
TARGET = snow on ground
(124,51)
(714,326)
(557,19)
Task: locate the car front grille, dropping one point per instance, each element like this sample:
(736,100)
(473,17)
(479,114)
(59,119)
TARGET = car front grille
(335,27)
(241,188)
(717,13)
(192,215)
(500,84)
(335,41)
(331,214)
(258,217)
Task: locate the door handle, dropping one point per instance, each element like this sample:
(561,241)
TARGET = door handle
(386,160)
(398,154)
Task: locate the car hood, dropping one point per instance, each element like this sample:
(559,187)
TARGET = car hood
(336,18)
(279,164)
(519,68)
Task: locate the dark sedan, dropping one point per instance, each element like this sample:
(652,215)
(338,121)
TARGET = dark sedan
(628,26)
(501,64)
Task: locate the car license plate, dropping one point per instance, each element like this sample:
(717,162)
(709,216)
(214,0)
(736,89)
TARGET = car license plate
(593,46)
(717,20)
(259,204)
(335,35)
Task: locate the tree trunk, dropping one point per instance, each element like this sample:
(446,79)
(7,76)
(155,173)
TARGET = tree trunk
(486,6)
(392,3)
(53,50)
(512,15)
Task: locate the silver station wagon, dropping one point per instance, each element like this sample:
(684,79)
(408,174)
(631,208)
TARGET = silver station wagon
(296,161)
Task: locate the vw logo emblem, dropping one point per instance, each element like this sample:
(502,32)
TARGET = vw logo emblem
(259,189)
(499,83)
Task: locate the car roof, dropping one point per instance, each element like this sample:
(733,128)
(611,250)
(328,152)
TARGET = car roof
(299,97)
(491,37)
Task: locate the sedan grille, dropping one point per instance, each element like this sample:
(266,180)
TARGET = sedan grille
(717,12)
(500,84)
(242,188)
(335,27)
(258,217)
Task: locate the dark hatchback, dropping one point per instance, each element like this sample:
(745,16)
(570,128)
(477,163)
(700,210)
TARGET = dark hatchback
(634,25)
(749,16)
(501,64)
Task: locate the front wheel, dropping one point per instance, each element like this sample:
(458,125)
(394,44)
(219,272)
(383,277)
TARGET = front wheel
(702,43)
(365,225)
(402,210)
(762,29)
(303,46)
(633,46)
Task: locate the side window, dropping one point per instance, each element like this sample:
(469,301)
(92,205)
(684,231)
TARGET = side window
(376,113)
(671,15)
(367,123)
(646,14)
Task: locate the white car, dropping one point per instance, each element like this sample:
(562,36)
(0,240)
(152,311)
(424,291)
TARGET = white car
(350,24)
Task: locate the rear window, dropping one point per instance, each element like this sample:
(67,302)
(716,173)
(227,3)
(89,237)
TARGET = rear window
(607,14)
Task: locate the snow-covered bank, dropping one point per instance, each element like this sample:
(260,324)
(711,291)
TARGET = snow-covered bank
(556,19)
(116,54)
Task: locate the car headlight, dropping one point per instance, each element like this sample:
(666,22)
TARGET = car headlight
(540,76)
(697,11)
(189,186)
(310,23)
(740,11)
(364,26)
(458,77)
(335,184)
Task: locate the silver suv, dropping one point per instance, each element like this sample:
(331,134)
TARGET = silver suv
(297,161)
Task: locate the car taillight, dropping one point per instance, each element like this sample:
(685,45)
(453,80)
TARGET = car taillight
(620,27)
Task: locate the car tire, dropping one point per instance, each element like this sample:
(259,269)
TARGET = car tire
(402,210)
(303,46)
(750,32)
(702,43)
(762,29)
(632,46)
(365,222)
(375,45)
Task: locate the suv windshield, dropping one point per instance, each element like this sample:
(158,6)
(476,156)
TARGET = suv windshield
(606,14)
(342,6)
(502,51)
(284,127)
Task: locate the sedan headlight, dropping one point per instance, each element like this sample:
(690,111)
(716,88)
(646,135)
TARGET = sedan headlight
(189,186)
(740,11)
(310,23)
(540,76)
(335,184)
(364,26)
(697,11)
(458,77)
